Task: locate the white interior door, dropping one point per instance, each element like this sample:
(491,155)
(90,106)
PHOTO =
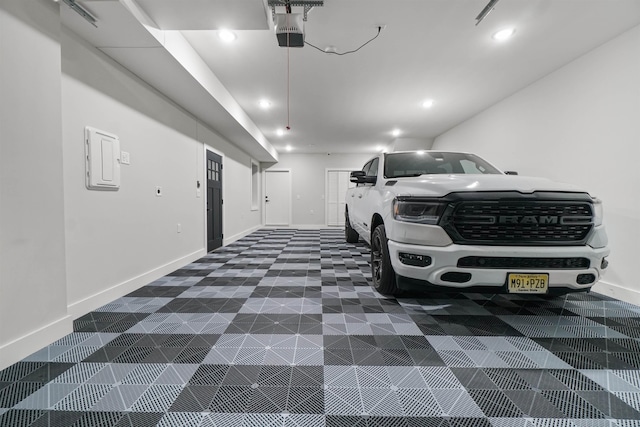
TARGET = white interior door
(277,197)
(337,184)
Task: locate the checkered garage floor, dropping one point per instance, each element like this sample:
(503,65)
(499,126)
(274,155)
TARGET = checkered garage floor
(282,328)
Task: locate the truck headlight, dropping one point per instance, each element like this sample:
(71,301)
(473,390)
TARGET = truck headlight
(421,212)
(598,212)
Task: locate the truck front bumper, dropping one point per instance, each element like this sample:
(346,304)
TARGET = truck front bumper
(443,270)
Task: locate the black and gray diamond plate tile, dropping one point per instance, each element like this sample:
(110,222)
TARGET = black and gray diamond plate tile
(282,328)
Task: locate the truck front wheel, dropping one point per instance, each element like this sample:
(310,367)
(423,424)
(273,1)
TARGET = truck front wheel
(384,278)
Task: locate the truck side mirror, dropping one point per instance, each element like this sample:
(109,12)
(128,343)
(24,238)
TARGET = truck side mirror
(360,177)
(357,177)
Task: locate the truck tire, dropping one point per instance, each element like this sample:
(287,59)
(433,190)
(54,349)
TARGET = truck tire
(384,278)
(350,235)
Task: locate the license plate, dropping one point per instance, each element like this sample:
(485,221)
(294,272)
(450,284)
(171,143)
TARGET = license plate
(518,283)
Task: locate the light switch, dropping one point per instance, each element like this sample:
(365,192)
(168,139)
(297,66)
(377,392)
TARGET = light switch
(125,159)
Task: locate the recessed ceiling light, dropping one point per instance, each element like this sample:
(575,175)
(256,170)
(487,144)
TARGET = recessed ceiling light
(428,103)
(227,36)
(264,103)
(504,34)
(288,148)
(396,132)
(280,132)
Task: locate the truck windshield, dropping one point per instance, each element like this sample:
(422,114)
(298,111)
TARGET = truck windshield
(418,163)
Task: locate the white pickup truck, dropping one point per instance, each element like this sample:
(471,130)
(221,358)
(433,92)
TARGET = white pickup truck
(452,221)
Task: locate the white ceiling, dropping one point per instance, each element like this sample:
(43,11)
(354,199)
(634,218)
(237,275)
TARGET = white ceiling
(346,104)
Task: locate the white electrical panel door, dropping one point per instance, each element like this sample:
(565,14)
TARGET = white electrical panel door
(102,151)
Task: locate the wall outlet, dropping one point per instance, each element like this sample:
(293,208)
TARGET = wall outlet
(311,211)
(159,191)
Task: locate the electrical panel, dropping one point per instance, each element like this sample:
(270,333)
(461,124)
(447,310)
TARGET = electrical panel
(102,159)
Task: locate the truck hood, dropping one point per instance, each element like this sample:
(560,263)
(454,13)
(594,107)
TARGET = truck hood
(441,185)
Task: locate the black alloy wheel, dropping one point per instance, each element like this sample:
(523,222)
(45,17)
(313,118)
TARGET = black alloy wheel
(384,278)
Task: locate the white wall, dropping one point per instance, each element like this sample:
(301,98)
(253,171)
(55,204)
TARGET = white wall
(409,144)
(119,241)
(580,124)
(66,250)
(115,236)
(33,297)
(308,182)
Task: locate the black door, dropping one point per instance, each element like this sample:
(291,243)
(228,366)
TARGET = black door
(214,201)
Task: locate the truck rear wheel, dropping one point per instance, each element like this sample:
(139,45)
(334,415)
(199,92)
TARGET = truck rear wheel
(384,278)
(350,235)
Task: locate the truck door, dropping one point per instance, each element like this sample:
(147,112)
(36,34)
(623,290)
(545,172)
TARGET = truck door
(367,201)
(355,204)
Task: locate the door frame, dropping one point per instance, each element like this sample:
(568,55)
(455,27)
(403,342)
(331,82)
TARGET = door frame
(203,180)
(264,194)
(326,190)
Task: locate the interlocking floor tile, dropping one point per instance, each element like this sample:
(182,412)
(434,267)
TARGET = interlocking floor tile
(282,328)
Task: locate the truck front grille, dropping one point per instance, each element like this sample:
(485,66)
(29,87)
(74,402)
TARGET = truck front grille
(514,222)
(524,263)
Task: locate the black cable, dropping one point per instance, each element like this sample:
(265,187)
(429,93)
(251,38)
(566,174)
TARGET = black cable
(351,51)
